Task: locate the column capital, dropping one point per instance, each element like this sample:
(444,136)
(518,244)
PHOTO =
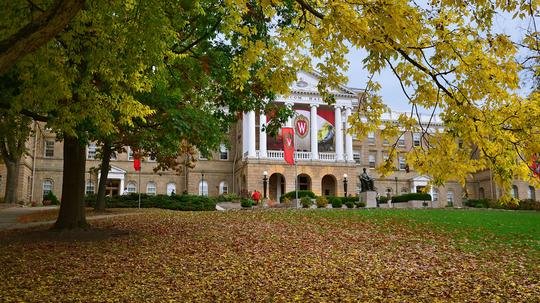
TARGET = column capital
(336,106)
(314,105)
(348,106)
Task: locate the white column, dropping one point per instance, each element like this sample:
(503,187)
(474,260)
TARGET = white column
(251,134)
(314,129)
(244,133)
(290,120)
(348,136)
(122,186)
(262,135)
(339,133)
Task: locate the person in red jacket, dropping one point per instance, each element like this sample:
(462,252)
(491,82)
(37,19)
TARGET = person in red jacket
(256,196)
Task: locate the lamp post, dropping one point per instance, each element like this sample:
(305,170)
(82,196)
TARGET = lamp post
(345,184)
(265,183)
(202,183)
(396,186)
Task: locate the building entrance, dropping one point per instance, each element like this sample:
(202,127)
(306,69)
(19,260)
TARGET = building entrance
(112,187)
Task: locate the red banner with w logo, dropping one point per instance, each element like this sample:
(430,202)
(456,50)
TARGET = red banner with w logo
(288,144)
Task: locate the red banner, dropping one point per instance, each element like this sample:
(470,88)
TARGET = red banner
(288,144)
(535,165)
(137,164)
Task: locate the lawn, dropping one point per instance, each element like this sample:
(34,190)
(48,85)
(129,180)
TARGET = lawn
(283,255)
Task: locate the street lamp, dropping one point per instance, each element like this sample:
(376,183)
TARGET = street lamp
(265,182)
(345,184)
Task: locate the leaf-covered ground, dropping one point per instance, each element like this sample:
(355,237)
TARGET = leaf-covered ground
(271,256)
(52,214)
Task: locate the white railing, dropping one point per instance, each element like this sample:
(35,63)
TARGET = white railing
(275,154)
(327,156)
(302,156)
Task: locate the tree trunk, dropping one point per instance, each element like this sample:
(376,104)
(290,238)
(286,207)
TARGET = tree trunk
(12,184)
(105,167)
(72,213)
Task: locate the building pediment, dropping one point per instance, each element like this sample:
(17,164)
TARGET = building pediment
(306,83)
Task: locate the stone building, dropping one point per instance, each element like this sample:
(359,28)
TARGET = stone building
(329,159)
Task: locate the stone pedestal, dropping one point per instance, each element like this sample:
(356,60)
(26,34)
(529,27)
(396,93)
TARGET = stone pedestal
(370,198)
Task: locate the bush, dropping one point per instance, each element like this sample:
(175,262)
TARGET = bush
(306,202)
(529,204)
(349,204)
(285,201)
(228,197)
(175,202)
(246,203)
(382,199)
(51,197)
(480,203)
(411,196)
(335,201)
(360,204)
(321,202)
(301,193)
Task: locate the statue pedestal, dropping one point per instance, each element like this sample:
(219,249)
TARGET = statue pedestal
(370,197)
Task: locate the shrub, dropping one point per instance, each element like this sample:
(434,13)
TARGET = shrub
(382,199)
(301,193)
(335,201)
(175,202)
(360,204)
(349,204)
(321,202)
(480,203)
(306,202)
(228,197)
(51,197)
(411,196)
(529,204)
(247,203)
(285,201)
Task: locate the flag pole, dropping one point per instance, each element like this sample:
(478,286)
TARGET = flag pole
(139,188)
(295,166)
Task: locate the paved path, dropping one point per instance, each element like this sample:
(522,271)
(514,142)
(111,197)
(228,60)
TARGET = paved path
(8,217)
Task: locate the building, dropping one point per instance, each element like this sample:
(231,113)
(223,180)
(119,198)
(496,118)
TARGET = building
(329,159)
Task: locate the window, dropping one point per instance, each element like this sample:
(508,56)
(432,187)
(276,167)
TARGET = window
(515,193)
(203,188)
(130,154)
(113,155)
(450,197)
(531,194)
(385,142)
(371,138)
(416,139)
(131,187)
(223,152)
(151,188)
(401,141)
(401,161)
(481,193)
(223,188)
(90,187)
(372,159)
(171,189)
(47,187)
(435,194)
(28,186)
(385,155)
(356,157)
(201,157)
(91,151)
(49,149)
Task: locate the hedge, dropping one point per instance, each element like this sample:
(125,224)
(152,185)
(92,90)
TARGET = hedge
(410,197)
(174,202)
(527,204)
(301,193)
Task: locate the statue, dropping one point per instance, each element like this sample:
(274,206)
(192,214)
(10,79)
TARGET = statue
(366,182)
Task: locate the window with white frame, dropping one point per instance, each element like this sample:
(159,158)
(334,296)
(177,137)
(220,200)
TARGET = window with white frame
(401,162)
(435,195)
(371,138)
(171,189)
(385,142)
(450,197)
(47,187)
(416,139)
(151,188)
(372,159)
(129,154)
(131,187)
(49,149)
(113,155)
(357,157)
(223,152)
(515,193)
(203,188)
(401,141)
(223,188)
(90,187)
(91,151)
(531,193)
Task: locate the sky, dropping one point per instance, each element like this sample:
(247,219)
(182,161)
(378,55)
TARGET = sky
(391,92)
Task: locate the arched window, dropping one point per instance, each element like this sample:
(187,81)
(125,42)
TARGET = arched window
(481,193)
(450,197)
(515,193)
(223,188)
(90,187)
(435,195)
(151,188)
(531,195)
(131,187)
(203,188)
(47,187)
(171,189)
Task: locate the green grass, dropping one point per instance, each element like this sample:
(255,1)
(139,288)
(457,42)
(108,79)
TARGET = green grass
(471,229)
